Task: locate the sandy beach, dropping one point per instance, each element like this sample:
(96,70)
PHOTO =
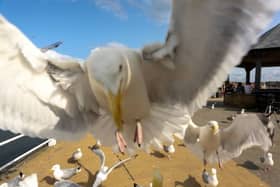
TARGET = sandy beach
(183,170)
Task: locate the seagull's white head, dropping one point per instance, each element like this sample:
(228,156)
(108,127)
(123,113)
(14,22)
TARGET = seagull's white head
(79,149)
(269,155)
(104,169)
(55,167)
(213,171)
(214,126)
(111,73)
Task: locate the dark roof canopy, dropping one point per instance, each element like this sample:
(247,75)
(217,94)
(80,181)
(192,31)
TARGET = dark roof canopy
(267,50)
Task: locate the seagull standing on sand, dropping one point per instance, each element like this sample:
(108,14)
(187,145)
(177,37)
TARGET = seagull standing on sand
(267,161)
(77,155)
(210,179)
(64,174)
(104,171)
(47,94)
(213,144)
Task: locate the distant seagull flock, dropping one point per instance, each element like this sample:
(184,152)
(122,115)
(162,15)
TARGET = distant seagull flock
(137,99)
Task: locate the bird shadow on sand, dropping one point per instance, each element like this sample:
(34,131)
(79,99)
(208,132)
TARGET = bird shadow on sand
(49,180)
(71,160)
(249,165)
(181,145)
(158,154)
(189,182)
(91,177)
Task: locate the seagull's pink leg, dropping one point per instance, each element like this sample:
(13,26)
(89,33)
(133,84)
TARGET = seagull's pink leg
(121,141)
(138,137)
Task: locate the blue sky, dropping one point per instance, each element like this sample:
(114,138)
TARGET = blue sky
(86,24)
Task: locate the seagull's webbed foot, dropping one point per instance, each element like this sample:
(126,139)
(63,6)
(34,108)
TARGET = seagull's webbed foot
(138,137)
(121,141)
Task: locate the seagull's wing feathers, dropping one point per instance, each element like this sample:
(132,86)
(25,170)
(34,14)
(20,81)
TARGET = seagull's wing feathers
(212,38)
(69,172)
(65,183)
(118,164)
(35,99)
(245,132)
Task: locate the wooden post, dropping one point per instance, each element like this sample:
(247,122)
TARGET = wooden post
(258,74)
(248,70)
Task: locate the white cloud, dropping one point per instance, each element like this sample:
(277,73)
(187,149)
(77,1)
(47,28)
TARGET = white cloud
(114,6)
(158,10)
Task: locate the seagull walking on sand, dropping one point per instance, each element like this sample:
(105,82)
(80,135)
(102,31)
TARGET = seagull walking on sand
(104,171)
(210,179)
(64,97)
(267,161)
(64,174)
(213,144)
(77,155)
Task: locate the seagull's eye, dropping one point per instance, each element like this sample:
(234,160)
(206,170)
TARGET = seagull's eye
(120,68)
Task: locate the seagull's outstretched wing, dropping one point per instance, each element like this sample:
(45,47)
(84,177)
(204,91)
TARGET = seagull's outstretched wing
(206,40)
(42,94)
(245,132)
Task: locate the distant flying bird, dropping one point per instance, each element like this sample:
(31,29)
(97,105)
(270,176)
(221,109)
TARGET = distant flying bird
(210,179)
(51,46)
(77,155)
(64,174)
(213,144)
(128,98)
(267,161)
(104,171)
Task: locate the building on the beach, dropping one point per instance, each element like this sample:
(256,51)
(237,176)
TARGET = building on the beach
(266,53)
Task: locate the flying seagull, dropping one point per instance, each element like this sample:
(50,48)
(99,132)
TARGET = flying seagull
(104,171)
(213,144)
(128,98)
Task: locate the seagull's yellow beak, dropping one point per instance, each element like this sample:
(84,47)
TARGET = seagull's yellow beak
(115,106)
(215,129)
